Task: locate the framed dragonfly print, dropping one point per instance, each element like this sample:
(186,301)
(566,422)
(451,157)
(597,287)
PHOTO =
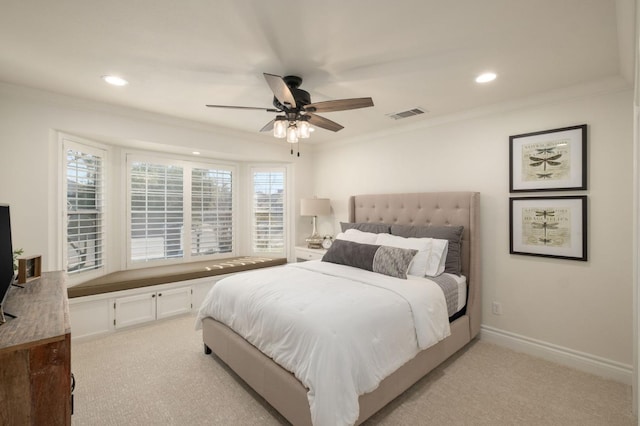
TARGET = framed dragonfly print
(549,226)
(550,160)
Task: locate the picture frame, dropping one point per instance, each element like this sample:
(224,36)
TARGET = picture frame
(549,226)
(549,160)
(29,268)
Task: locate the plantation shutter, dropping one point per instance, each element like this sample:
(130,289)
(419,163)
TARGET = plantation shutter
(211,211)
(156,212)
(84,208)
(268,234)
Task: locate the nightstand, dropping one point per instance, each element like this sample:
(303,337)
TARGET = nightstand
(305,253)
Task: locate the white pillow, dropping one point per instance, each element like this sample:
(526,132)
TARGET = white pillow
(437,257)
(356,236)
(418,266)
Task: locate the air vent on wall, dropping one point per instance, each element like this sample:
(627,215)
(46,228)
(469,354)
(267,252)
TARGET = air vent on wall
(406,114)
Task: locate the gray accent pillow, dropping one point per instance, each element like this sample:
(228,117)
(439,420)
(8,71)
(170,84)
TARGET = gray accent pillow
(385,260)
(453,234)
(348,253)
(374,228)
(393,261)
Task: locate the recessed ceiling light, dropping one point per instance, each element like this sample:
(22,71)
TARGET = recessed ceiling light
(115,80)
(486,77)
(196,152)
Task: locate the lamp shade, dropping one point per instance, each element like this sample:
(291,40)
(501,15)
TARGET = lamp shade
(315,207)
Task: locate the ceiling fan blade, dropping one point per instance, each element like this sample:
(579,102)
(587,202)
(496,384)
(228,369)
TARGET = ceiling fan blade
(280,89)
(325,123)
(269,126)
(339,105)
(244,107)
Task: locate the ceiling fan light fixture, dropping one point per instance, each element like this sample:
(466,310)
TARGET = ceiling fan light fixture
(299,116)
(280,128)
(303,129)
(292,133)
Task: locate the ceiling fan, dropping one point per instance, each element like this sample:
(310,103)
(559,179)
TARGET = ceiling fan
(298,110)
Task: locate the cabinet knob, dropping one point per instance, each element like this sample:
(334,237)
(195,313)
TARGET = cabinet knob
(153,295)
(159,294)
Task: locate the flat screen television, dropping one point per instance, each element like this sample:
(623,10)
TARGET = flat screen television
(7,274)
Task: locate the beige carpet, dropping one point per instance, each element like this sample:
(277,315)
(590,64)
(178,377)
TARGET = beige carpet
(158,375)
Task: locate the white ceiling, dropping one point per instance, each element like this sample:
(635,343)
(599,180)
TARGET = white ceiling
(180,55)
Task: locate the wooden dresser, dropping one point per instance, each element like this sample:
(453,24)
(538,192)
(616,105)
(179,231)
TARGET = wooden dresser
(35,354)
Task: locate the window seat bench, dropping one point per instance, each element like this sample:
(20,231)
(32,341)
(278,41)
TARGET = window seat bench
(144,277)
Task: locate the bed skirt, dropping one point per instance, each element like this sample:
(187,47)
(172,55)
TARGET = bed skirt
(285,393)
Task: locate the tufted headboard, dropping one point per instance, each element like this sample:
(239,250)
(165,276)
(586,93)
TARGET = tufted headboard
(433,208)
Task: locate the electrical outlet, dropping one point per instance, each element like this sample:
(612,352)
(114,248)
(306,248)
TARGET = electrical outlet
(496,308)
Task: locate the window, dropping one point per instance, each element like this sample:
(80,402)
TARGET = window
(84,207)
(173,209)
(211,211)
(157,212)
(179,210)
(268,215)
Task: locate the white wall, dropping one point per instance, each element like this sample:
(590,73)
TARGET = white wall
(581,306)
(585,307)
(30,120)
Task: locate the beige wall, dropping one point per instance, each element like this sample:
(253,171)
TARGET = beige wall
(581,306)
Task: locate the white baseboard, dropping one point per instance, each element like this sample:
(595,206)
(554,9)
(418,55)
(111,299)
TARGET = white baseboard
(579,360)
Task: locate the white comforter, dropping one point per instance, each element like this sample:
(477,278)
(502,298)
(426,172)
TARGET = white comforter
(340,330)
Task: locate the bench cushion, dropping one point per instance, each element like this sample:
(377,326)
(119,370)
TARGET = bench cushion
(136,278)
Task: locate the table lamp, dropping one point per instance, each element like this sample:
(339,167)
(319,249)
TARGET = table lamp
(314,207)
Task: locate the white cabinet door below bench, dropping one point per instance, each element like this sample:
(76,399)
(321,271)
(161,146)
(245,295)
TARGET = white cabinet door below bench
(145,307)
(103,313)
(131,310)
(172,302)
(90,317)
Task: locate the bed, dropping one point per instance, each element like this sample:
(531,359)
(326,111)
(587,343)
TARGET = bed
(286,393)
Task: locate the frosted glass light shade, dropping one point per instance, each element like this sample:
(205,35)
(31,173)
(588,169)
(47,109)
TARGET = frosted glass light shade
(292,134)
(303,129)
(280,129)
(315,207)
